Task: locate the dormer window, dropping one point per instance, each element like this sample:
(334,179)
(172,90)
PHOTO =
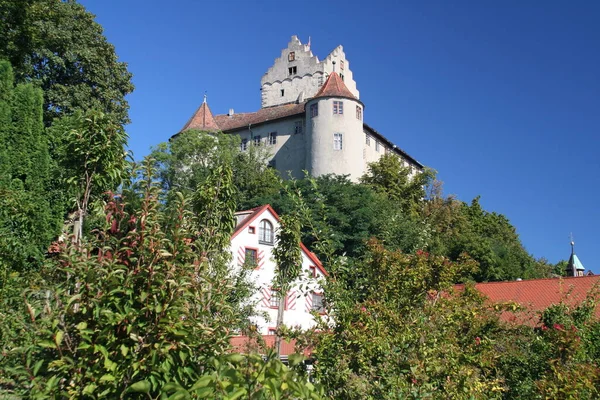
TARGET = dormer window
(292,56)
(292,71)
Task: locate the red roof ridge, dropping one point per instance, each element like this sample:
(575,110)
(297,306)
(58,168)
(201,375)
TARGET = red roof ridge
(536,280)
(257,211)
(334,86)
(202,119)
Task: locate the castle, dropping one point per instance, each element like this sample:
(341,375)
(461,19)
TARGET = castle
(311,118)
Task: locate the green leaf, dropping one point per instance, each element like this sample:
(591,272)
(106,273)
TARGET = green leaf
(107,378)
(202,382)
(234,358)
(37,366)
(89,389)
(237,394)
(58,337)
(139,387)
(47,344)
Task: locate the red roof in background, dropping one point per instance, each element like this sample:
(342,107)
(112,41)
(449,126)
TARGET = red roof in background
(538,294)
(245,344)
(202,120)
(242,120)
(334,86)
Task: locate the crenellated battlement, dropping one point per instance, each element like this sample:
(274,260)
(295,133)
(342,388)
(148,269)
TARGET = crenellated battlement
(298,74)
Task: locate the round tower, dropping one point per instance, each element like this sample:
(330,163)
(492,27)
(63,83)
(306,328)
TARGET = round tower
(334,125)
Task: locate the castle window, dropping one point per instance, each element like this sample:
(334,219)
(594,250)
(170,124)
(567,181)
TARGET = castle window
(358,112)
(282,92)
(368,141)
(292,56)
(273,138)
(314,110)
(342,76)
(257,140)
(251,257)
(341,64)
(320,81)
(265,232)
(377,145)
(298,127)
(244,145)
(292,71)
(338,107)
(337,141)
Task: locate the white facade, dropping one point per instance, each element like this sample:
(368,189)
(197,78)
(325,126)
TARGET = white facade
(252,247)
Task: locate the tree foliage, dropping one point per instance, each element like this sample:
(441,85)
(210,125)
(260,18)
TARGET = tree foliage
(29,219)
(186,161)
(57,46)
(139,309)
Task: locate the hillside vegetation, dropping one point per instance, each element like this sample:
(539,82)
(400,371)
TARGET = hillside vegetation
(115,278)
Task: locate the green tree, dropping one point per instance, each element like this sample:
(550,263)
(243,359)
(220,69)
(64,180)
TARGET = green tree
(57,46)
(28,219)
(90,148)
(455,227)
(141,310)
(288,258)
(185,161)
(400,182)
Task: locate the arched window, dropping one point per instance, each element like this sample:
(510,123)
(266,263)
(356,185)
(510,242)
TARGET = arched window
(265,232)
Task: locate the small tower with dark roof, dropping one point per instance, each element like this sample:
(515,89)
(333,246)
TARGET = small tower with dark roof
(575,267)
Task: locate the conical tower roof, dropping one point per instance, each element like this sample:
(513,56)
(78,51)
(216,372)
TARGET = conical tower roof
(202,120)
(575,267)
(334,86)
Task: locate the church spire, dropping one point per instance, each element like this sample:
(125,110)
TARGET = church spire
(574,267)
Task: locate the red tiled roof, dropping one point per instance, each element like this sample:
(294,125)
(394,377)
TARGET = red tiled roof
(202,120)
(538,294)
(334,86)
(245,344)
(242,120)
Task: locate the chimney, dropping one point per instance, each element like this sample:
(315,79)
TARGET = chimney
(230,112)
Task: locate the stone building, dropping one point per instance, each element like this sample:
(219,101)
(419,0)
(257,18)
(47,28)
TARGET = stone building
(311,117)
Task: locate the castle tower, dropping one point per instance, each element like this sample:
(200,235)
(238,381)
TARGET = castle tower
(334,124)
(202,119)
(575,267)
(298,74)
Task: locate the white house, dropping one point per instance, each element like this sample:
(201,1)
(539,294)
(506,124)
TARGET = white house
(311,118)
(252,245)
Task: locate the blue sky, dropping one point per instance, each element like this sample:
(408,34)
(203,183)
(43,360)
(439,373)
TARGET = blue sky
(501,98)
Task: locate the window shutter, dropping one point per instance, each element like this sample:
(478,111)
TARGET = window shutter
(266,297)
(290,301)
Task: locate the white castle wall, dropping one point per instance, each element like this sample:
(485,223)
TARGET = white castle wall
(310,74)
(321,156)
(288,152)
